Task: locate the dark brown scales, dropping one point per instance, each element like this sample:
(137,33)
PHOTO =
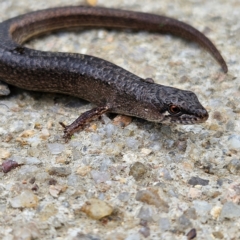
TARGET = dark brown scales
(94,79)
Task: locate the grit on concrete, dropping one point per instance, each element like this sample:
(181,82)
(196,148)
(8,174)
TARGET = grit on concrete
(158,182)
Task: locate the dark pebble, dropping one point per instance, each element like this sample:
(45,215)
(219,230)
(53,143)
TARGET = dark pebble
(32,180)
(52,181)
(8,165)
(191,234)
(198,181)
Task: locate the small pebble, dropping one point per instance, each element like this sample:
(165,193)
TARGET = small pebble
(100,177)
(146,213)
(31,161)
(27,231)
(143,223)
(122,120)
(124,196)
(233,192)
(27,199)
(138,171)
(181,146)
(110,130)
(194,193)
(145,231)
(163,172)
(132,143)
(17,126)
(218,235)
(56,148)
(191,213)
(32,180)
(28,170)
(146,151)
(92,2)
(169,144)
(103,187)
(8,165)
(52,181)
(59,171)
(35,187)
(217,115)
(27,133)
(83,171)
(216,211)
(133,236)
(183,222)
(151,197)
(233,142)
(164,224)
(96,139)
(4,153)
(106,162)
(74,180)
(234,166)
(4,89)
(191,234)
(7,138)
(55,190)
(34,152)
(202,207)
(230,210)
(61,160)
(96,209)
(198,181)
(44,133)
(47,211)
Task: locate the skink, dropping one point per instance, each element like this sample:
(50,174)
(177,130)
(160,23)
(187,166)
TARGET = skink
(109,87)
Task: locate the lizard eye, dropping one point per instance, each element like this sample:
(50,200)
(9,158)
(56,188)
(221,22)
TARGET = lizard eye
(173,109)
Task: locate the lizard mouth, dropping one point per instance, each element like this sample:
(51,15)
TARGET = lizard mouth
(187,119)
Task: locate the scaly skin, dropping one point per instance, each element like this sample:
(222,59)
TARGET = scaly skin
(96,80)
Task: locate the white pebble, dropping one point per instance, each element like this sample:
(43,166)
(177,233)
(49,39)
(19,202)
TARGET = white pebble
(25,199)
(234,142)
(32,161)
(56,148)
(99,177)
(133,236)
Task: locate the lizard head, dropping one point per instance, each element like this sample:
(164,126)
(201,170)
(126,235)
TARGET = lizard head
(180,107)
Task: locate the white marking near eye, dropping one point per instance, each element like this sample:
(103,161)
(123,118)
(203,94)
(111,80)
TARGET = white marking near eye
(166,113)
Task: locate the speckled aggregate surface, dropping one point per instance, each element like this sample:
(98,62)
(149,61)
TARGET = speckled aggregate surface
(158,182)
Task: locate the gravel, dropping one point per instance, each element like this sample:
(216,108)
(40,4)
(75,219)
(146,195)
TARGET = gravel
(144,181)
